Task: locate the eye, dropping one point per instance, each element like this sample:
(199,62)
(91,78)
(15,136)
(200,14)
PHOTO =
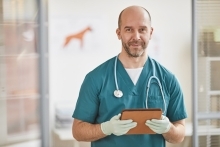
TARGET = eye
(143,30)
(128,30)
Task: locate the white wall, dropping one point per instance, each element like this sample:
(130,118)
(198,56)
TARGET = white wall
(171,20)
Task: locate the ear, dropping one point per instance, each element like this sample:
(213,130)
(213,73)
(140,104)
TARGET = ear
(151,32)
(118,33)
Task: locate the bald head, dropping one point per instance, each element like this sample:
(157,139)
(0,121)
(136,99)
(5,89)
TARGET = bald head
(133,9)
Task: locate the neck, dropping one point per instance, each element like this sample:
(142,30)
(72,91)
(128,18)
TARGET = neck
(132,62)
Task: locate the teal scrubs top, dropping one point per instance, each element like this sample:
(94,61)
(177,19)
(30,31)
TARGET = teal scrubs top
(96,102)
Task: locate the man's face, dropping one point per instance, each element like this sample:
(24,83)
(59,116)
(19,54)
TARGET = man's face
(135,32)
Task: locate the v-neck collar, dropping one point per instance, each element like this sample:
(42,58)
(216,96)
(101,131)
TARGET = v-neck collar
(123,75)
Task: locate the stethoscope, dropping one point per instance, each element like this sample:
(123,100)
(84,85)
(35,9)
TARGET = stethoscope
(118,93)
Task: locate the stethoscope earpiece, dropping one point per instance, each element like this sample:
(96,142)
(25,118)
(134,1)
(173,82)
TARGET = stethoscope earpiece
(118,93)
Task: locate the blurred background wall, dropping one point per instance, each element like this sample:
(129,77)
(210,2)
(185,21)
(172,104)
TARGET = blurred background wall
(70,61)
(171,21)
(170,45)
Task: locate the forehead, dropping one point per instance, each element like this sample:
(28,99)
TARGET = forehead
(135,17)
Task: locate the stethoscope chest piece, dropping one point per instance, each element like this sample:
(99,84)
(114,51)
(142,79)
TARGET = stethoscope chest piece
(118,93)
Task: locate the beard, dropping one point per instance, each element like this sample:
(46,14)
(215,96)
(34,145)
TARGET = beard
(136,52)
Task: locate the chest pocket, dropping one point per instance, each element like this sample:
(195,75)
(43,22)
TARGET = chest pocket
(155,98)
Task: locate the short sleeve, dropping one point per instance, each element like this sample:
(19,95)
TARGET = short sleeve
(87,103)
(176,108)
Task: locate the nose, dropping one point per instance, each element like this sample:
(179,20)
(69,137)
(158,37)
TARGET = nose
(136,35)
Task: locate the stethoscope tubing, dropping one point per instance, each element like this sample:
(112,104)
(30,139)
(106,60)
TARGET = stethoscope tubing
(118,93)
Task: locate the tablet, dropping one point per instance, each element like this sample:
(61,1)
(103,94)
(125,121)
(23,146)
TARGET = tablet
(140,116)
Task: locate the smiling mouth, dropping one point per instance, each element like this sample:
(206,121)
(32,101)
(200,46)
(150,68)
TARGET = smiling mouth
(135,43)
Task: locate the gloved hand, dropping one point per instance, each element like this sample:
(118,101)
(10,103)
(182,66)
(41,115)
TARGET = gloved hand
(116,126)
(159,126)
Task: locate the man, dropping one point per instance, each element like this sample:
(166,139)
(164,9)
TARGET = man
(97,112)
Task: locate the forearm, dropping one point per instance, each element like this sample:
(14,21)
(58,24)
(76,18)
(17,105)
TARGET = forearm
(83,131)
(176,133)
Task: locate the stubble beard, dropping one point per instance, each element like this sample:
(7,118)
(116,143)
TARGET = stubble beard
(136,54)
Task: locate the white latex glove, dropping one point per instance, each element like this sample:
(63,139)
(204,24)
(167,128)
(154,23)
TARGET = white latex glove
(159,126)
(116,126)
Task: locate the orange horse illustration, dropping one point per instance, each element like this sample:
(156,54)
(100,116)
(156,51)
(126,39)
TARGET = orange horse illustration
(80,35)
